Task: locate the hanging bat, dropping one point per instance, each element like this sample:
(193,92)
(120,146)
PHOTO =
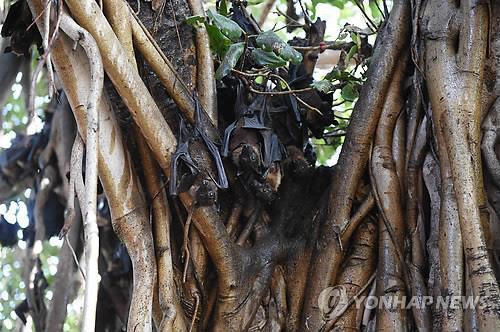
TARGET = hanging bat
(241,140)
(16,27)
(300,76)
(8,233)
(253,130)
(182,157)
(254,148)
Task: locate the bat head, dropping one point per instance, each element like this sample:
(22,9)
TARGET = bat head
(206,193)
(250,158)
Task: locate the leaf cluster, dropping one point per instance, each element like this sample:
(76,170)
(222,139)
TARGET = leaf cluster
(228,42)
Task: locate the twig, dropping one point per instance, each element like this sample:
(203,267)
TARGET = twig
(289,89)
(288,92)
(386,10)
(373,27)
(265,11)
(336,133)
(75,258)
(287,26)
(45,43)
(157,17)
(387,224)
(279,12)
(380,9)
(38,16)
(347,229)
(367,310)
(248,16)
(298,98)
(185,245)
(242,73)
(76,164)
(77,173)
(307,18)
(195,312)
(174,84)
(32,92)
(326,46)
(175,23)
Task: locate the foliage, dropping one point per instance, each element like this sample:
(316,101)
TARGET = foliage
(230,60)
(269,41)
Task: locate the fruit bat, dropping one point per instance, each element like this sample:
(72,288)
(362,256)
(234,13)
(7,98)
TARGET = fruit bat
(254,147)
(16,27)
(252,135)
(180,158)
(8,233)
(183,165)
(300,76)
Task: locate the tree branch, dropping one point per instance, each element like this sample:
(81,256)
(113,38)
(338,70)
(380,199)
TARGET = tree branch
(355,150)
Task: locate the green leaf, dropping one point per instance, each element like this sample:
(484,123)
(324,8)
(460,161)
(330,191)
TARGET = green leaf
(254,2)
(267,58)
(374,9)
(230,60)
(195,20)
(323,86)
(334,74)
(336,3)
(356,38)
(269,41)
(290,54)
(228,27)
(219,43)
(259,79)
(312,8)
(223,8)
(340,75)
(351,53)
(349,92)
(325,151)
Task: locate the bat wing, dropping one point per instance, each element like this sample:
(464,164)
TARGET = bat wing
(212,148)
(253,122)
(214,151)
(295,108)
(181,156)
(227,138)
(278,151)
